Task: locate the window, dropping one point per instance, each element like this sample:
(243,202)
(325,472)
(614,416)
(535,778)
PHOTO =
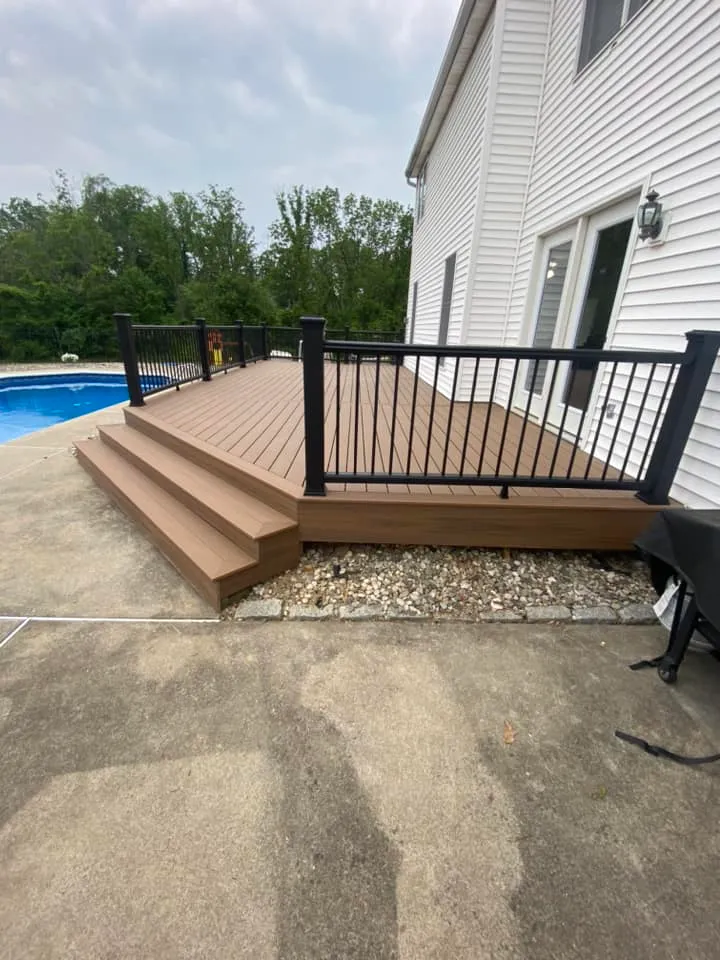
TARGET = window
(446,301)
(552,291)
(603,19)
(414,311)
(420,189)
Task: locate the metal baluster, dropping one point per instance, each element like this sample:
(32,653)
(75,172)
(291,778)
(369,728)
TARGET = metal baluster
(578,433)
(621,414)
(162,354)
(174,354)
(469,416)
(450,415)
(337,412)
(191,346)
(638,420)
(432,413)
(488,415)
(528,405)
(413,408)
(546,414)
(142,359)
(150,353)
(140,352)
(161,351)
(357,410)
(568,392)
(394,418)
(147,351)
(602,410)
(507,418)
(375,412)
(656,421)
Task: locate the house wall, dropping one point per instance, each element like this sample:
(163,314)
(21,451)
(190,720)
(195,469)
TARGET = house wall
(520,51)
(646,111)
(447,227)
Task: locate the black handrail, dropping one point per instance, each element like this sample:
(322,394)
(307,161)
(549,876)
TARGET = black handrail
(159,356)
(635,409)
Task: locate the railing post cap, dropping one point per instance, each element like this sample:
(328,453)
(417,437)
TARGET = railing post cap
(703,335)
(123,316)
(312,321)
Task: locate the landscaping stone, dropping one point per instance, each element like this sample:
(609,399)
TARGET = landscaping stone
(546,614)
(299,611)
(599,614)
(637,613)
(403,613)
(500,616)
(361,611)
(259,610)
(454,583)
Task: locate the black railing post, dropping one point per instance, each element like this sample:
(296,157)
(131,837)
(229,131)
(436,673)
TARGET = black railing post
(201,327)
(682,409)
(313,334)
(265,342)
(241,342)
(123,323)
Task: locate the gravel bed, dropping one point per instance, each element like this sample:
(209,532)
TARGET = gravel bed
(454,583)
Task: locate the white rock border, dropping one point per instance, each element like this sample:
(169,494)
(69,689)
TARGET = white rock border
(263,610)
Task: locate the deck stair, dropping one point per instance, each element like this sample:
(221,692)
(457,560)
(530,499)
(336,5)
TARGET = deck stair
(220,536)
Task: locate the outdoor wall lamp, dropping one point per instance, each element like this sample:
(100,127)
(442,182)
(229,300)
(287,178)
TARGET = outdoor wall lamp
(650,217)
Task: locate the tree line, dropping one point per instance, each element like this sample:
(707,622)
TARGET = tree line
(68,262)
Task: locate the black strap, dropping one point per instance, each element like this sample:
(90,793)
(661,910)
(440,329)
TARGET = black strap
(641,664)
(655,751)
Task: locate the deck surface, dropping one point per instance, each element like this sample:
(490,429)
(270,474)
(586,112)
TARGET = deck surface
(256,415)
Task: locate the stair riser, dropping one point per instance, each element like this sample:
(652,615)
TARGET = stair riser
(203,510)
(207,588)
(231,472)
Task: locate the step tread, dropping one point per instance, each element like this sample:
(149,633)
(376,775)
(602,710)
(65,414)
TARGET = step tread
(204,546)
(240,509)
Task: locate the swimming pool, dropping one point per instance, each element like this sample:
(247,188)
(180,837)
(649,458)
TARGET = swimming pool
(29,403)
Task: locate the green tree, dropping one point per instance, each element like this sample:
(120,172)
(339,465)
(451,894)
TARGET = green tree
(345,258)
(68,262)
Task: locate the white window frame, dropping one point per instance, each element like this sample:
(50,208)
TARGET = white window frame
(625,18)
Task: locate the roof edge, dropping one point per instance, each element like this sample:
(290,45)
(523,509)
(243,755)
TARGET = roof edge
(469,25)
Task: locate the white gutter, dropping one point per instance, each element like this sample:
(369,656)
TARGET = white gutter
(468,28)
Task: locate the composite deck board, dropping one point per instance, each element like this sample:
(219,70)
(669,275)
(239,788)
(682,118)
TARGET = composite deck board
(255,414)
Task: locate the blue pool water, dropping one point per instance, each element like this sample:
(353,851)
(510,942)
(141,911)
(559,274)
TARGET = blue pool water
(31,403)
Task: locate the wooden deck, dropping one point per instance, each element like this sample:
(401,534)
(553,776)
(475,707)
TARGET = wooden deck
(214,473)
(255,415)
(252,420)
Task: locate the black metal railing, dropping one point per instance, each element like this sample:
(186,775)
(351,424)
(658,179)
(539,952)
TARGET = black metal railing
(159,356)
(225,347)
(285,342)
(588,419)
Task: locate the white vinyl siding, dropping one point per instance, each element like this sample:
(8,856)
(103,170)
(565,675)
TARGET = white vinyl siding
(447,224)
(521,49)
(646,110)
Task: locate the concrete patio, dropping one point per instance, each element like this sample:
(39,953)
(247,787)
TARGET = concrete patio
(336,791)
(332,790)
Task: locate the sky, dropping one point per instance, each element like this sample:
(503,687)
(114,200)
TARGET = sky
(253,94)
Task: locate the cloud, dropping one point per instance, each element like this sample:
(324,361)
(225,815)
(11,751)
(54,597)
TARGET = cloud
(156,139)
(247,102)
(238,11)
(255,94)
(347,119)
(402,26)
